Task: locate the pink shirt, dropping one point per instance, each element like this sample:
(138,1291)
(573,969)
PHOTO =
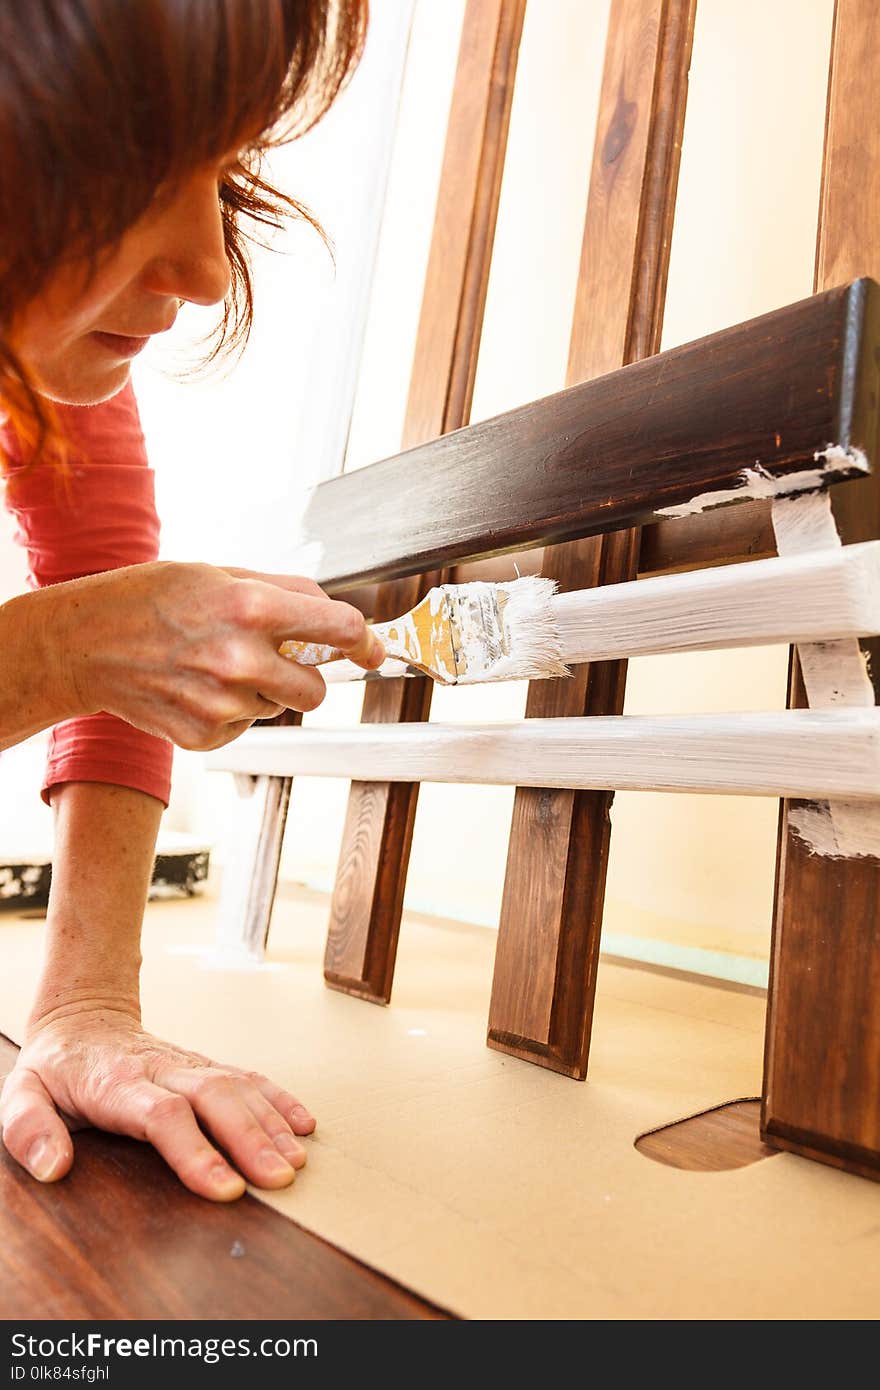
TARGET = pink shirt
(100,517)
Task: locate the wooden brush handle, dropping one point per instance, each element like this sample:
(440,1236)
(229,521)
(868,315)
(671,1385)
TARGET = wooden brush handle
(312,654)
(315,654)
(309,653)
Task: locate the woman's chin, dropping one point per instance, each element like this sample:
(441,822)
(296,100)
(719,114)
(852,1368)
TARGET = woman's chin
(86,388)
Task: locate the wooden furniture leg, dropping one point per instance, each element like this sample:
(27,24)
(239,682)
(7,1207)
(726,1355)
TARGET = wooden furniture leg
(250,878)
(368,895)
(551,914)
(822,1054)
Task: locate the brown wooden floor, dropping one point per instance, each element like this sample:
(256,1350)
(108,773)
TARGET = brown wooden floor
(122,1238)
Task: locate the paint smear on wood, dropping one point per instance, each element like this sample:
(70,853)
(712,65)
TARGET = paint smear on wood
(835,676)
(756,482)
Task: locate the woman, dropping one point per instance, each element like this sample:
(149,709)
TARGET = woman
(130,138)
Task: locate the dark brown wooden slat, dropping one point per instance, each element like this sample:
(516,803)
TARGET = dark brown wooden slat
(614,451)
(743,532)
(371,878)
(822,1055)
(714,538)
(551,915)
(122,1238)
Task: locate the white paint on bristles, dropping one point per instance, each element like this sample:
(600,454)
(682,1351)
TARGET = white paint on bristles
(506,631)
(835,676)
(468,634)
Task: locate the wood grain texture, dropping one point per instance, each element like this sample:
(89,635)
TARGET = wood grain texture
(822,1055)
(767,394)
(122,1238)
(717,537)
(368,895)
(551,915)
(730,533)
(713,1142)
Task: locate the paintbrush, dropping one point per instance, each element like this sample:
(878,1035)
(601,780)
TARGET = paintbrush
(464,634)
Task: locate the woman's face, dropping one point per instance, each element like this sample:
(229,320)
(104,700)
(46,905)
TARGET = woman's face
(77,339)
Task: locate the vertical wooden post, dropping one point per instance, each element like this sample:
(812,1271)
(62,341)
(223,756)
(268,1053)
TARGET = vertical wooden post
(822,1054)
(551,915)
(368,895)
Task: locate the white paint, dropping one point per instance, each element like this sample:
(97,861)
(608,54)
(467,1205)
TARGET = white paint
(798,753)
(842,830)
(756,482)
(523,634)
(835,675)
(810,597)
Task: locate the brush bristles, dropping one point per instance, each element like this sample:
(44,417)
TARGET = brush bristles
(508,631)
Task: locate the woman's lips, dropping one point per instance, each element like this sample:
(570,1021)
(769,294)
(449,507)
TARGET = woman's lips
(121,346)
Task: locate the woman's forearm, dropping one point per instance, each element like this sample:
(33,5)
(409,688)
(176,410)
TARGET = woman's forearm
(105,840)
(35,686)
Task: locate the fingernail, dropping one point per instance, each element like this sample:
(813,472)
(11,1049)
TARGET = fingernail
(42,1158)
(299,1112)
(271,1161)
(290,1148)
(225,1181)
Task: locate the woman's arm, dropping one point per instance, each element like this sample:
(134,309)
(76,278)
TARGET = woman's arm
(188,652)
(85,1054)
(185,651)
(32,685)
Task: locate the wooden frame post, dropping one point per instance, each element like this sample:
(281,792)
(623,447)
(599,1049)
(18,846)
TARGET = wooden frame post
(368,894)
(822,1054)
(551,915)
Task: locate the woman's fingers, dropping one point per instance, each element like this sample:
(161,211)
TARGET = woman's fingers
(309,617)
(33,1131)
(233,1113)
(171,1127)
(278,1130)
(332,623)
(296,583)
(297,1115)
(158,1116)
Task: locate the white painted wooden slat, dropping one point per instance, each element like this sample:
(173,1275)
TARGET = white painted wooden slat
(815,596)
(798,753)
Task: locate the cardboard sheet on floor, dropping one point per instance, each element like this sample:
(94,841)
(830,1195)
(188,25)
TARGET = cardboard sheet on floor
(490,1186)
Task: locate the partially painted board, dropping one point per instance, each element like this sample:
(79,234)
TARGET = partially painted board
(785,402)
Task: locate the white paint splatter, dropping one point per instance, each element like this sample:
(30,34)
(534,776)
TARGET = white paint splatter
(852,831)
(756,482)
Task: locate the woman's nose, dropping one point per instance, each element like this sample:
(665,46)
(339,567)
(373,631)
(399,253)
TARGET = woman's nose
(191,261)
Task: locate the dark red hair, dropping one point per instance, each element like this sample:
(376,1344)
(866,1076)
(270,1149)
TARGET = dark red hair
(104,101)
